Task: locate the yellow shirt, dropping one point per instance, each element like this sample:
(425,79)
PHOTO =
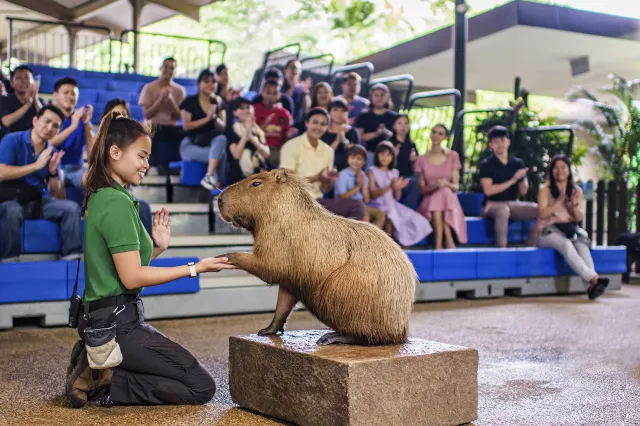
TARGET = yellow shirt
(299,156)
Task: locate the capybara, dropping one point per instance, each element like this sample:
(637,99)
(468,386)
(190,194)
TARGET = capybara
(349,274)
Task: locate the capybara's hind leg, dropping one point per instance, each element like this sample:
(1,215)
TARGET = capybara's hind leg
(284,306)
(333,338)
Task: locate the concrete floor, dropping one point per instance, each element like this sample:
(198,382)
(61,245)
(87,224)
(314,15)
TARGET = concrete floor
(543,361)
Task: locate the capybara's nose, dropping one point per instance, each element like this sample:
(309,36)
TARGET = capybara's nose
(220,201)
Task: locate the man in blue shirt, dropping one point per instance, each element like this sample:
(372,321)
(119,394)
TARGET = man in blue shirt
(75,133)
(28,156)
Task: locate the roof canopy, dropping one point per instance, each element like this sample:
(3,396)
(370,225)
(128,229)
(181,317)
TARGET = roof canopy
(534,41)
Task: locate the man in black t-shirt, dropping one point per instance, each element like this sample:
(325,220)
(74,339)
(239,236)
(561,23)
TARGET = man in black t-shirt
(18,109)
(502,180)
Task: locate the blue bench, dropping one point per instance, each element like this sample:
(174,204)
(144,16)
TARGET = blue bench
(54,280)
(487,263)
(191,172)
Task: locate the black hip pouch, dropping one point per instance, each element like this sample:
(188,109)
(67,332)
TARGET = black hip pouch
(103,351)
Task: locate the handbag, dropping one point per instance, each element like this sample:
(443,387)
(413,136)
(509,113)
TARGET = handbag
(20,191)
(569,229)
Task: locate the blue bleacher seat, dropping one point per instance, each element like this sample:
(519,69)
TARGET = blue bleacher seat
(476,231)
(137,112)
(47,83)
(87,96)
(182,285)
(133,98)
(526,226)
(422,261)
(41,69)
(610,260)
(74,194)
(67,72)
(471,203)
(535,262)
(96,83)
(497,263)
(33,282)
(458,264)
(40,236)
(105,96)
(124,85)
(192,172)
(134,77)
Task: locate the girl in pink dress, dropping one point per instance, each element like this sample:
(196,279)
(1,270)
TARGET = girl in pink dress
(406,226)
(438,173)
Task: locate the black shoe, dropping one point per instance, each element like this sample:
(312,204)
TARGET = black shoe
(80,381)
(101,397)
(598,289)
(75,354)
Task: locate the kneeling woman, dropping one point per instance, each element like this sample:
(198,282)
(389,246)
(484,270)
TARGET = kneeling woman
(560,211)
(121,359)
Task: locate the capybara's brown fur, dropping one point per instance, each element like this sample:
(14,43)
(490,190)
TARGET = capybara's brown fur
(349,274)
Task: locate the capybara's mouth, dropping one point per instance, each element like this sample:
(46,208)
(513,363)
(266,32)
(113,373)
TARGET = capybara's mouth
(242,222)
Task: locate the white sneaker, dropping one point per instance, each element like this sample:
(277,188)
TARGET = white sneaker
(209,182)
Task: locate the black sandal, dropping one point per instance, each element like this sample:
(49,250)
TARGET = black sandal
(598,289)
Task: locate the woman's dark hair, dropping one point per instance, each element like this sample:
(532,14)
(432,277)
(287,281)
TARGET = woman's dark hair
(114,130)
(443,127)
(395,120)
(114,103)
(314,93)
(553,186)
(220,68)
(385,146)
(206,73)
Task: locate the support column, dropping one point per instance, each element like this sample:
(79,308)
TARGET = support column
(72,31)
(137,6)
(460,74)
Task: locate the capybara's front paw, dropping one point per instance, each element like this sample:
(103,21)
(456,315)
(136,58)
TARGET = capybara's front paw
(271,330)
(232,257)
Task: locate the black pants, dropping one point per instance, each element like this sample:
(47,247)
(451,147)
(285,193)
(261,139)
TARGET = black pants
(154,369)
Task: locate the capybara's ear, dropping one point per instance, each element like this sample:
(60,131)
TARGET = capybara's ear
(282,175)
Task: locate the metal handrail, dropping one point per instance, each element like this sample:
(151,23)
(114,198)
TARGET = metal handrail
(460,116)
(100,28)
(345,69)
(556,128)
(177,37)
(394,79)
(436,94)
(317,57)
(263,69)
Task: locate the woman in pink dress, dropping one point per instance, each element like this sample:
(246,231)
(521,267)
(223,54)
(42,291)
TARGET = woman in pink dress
(438,173)
(406,226)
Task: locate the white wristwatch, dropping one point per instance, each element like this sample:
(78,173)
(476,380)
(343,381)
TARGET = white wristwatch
(192,270)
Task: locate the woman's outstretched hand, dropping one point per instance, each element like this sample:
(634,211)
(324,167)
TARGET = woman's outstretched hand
(213,264)
(161,230)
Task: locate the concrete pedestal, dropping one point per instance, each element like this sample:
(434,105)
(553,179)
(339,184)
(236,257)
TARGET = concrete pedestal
(291,378)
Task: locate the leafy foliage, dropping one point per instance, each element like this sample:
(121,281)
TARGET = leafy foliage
(618,142)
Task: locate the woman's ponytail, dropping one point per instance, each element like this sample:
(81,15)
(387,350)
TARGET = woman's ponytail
(114,129)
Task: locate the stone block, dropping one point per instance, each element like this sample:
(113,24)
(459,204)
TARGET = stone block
(291,378)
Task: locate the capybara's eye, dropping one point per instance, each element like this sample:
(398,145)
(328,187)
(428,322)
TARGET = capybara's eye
(254,184)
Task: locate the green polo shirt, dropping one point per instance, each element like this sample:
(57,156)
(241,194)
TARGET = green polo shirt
(112,225)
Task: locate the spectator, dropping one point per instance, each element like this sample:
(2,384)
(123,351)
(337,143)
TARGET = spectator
(340,135)
(28,161)
(353,184)
(309,157)
(145,214)
(222,79)
(298,91)
(321,96)
(160,102)
(438,174)
(285,101)
(375,125)
(75,133)
(502,180)
(204,119)
(248,150)
(351,95)
(406,154)
(560,209)
(385,184)
(18,109)
(274,120)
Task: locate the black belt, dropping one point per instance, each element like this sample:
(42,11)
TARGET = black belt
(112,301)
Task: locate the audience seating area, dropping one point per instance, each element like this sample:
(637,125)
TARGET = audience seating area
(97,88)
